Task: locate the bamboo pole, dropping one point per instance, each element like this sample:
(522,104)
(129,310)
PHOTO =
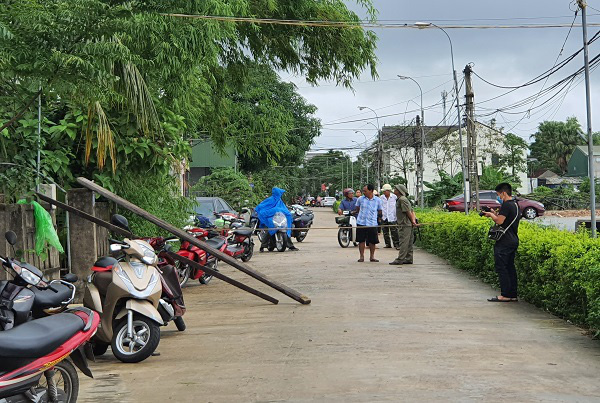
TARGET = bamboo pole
(181,234)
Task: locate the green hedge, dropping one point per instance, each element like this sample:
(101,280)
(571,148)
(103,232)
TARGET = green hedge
(558,270)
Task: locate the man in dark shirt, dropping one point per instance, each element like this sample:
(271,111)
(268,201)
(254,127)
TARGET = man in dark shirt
(506,247)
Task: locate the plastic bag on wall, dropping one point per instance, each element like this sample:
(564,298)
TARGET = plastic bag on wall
(44,229)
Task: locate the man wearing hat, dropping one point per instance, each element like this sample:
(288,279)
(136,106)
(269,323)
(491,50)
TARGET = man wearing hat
(406,221)
(390,233)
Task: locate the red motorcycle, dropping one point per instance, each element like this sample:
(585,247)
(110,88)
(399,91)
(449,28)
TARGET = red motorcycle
(240,244)
(197,255)
(33,353)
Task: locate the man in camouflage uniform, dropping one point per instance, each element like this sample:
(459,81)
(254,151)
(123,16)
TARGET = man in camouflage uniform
(406,221)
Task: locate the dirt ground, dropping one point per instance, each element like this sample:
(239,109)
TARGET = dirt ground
(373,332)
(571,213)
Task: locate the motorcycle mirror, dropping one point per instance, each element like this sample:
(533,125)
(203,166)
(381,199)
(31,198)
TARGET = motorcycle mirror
(11,237)
(120,221)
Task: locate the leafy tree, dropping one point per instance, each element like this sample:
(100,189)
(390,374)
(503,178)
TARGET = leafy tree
(514,158)
(269,122)
(492,176)
(232,186)
(554,142)
(438,191)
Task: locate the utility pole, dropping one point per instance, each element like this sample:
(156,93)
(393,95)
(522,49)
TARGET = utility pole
(471,136)
(418,146)
(444,97)
(583,6)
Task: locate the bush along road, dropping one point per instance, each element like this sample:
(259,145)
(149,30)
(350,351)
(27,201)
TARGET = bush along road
(558,271)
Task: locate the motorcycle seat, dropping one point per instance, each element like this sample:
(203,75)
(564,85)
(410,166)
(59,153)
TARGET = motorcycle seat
(243,231)
(49,299)
(38,337)
(102,280)
(105,263)
(216,243)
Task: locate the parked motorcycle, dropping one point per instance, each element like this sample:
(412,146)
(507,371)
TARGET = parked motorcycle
(172,306)
(303,220)
(33,355)
(29,295)
(347,231)
(199,256)
(127,294)
(240,244)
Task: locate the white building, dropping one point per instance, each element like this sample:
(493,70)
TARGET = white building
(442,152)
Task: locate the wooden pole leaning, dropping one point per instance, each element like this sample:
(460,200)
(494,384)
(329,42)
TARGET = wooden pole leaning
(223,277)
(181,234)
(84,215)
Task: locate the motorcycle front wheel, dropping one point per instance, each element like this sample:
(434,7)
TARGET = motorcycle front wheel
(344,237)
(183,272)
(280,244)
(65,379)
(146,336)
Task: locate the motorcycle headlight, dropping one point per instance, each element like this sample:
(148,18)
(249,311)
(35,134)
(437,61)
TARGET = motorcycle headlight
(29,277)
(280,220)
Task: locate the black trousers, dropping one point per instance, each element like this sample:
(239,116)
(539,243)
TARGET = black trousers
(504,259)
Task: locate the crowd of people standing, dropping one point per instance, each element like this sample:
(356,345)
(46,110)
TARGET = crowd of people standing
(391,213)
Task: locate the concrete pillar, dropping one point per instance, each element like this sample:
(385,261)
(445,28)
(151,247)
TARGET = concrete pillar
(83,247)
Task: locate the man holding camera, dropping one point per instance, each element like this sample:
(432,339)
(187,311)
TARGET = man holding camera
(506,247)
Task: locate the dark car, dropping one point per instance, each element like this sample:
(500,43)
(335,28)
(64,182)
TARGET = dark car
(208,206)
(529,208)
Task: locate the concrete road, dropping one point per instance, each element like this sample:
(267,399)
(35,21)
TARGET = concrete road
(373,332)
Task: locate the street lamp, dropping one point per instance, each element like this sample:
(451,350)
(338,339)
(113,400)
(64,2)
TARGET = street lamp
(379,146)
(366,152)
(420,180)
(423,25)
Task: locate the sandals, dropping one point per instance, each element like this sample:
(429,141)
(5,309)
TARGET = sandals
(361,260)
(374,260)
(496,299)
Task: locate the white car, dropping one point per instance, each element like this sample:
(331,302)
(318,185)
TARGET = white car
(327,201)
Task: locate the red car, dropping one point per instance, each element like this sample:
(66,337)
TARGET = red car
(529,208)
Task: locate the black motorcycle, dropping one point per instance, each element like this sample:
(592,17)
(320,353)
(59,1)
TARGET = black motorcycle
(303,220)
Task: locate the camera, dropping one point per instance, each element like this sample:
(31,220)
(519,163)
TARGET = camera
(484,209)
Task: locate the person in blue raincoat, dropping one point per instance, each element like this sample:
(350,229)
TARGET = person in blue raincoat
(267,209)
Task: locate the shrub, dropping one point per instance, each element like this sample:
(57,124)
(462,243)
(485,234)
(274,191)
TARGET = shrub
(558,271)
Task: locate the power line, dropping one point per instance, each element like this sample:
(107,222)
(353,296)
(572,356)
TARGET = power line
(360,24)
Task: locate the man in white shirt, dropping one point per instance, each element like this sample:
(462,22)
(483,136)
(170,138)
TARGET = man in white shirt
(388,200)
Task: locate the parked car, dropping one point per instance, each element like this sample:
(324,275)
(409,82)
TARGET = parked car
(529,208)
(208,206)
(327,201)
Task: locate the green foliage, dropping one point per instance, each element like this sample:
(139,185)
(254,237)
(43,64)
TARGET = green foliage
(562,198)
(554,142)
(159,195)
(231,186)
(558,271)
(447,187)
(269,122)
(514,159)
(491,177)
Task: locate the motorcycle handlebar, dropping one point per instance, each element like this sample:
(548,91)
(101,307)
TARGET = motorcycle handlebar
(117,241)
(52,288)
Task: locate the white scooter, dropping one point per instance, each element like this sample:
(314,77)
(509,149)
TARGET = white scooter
(347,231)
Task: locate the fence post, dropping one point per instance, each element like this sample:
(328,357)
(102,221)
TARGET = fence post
(83,246)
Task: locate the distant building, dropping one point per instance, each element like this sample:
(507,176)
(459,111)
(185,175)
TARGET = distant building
(578,163)
(442,152)
(206,157)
